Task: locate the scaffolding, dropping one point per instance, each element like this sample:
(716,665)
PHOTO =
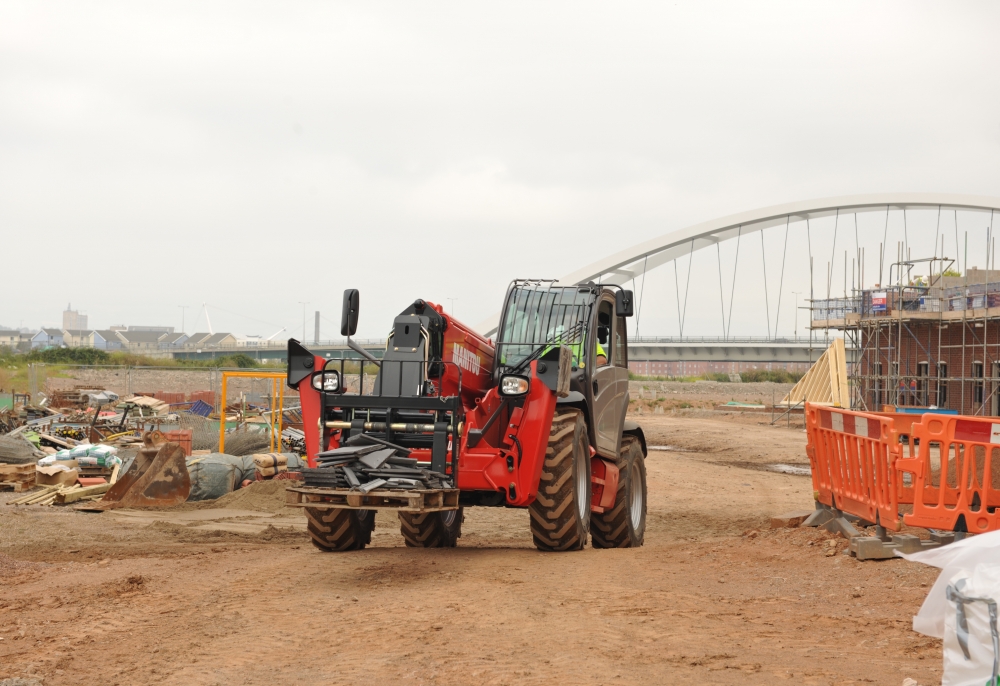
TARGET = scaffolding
(931,342)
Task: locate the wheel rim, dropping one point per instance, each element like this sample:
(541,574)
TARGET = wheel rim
(635,496)
(448,517)
(582,483)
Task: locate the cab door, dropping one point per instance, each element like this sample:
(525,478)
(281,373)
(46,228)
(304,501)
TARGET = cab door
(607,380)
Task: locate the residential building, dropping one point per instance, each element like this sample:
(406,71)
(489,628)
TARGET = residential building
(159,329)
(48,338)
(173,340)
(105,340)
(139,341)
(78,338)
(210,340)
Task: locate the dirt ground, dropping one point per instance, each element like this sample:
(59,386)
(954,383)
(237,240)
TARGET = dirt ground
(232,592)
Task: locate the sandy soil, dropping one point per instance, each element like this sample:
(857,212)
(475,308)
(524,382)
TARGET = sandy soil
(233,592)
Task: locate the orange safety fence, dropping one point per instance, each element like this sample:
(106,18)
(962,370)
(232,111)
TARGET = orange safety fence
(954,468)
(853,457)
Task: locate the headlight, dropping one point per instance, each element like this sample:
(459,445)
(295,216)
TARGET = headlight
(326,381)
(513,385)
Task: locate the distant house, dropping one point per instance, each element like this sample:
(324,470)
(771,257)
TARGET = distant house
(140,341)
(48,338)
(78,338)
(219,340)
(9,338)
(173,340)
(105,340)
(210,340)
(197,339)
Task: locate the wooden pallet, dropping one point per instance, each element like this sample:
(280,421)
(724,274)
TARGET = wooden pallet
(17,486)
(432,500)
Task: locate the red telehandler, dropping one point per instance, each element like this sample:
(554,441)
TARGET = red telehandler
(535,419)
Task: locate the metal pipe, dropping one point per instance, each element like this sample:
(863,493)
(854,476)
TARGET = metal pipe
(381,426)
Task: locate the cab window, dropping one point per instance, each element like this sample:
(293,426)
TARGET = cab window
(621,357)
(605,318)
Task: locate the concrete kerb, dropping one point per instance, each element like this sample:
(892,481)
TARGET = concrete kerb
(879,547)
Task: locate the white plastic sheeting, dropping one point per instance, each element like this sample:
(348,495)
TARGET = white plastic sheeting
(961,607)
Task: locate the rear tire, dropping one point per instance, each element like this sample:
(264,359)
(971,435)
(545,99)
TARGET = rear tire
(624,526)
(431,529)
(339,530)
(560,515)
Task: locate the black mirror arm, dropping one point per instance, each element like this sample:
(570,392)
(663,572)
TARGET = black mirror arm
(364,353)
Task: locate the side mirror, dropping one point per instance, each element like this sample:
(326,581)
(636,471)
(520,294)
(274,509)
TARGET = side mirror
(349,314)
(623,303)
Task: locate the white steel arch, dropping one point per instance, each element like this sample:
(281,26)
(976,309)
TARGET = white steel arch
(628,264)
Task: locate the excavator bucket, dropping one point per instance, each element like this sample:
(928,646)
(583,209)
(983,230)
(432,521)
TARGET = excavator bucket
(158,477)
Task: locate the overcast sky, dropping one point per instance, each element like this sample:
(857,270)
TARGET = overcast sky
(254,156)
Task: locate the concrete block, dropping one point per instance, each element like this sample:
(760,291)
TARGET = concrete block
(943,537)
(839,525)
(871,548)
(790,520)
(908,543)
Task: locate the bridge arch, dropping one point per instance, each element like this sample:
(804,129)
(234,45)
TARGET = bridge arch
(626,265)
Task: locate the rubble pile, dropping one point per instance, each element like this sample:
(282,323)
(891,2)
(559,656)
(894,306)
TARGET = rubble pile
(367,467)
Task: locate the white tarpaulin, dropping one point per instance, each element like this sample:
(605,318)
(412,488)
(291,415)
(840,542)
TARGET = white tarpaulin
(961,607)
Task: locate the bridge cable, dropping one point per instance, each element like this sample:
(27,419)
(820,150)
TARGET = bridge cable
(781,281)
(677,294)
(958,248)
(722,298)
(906,242)
(732,294)
(638,317)
(885,237)
(857,251)
(937,232)
(767,306)
(687,287)
(833,255)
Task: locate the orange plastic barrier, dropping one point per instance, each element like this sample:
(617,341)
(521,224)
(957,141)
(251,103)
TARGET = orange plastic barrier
(853,457)
(955,473)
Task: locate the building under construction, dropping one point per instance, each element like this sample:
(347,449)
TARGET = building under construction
(934,341)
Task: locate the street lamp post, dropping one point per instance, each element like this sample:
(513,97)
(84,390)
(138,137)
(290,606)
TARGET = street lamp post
(303,319)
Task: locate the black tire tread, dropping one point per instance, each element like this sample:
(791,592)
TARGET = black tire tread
(554,524)
(427,530)
(611,529)
(338,530)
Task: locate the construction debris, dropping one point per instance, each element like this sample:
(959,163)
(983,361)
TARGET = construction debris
(366,467)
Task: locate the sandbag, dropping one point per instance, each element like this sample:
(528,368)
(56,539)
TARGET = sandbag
(271,471)
(211,480)
(268,460)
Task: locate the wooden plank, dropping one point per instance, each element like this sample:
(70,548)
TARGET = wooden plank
(433,500)
(395,508)
(80,493)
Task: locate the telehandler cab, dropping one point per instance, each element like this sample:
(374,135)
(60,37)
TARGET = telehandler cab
(535,419)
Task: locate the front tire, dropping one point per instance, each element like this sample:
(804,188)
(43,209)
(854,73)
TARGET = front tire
(338,530)
(431,529)
(625,525)
(560,515)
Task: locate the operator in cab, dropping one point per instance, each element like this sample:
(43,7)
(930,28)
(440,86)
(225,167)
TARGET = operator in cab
(601,356)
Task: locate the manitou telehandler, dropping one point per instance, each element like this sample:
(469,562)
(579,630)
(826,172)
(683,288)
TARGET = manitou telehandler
(450,419)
